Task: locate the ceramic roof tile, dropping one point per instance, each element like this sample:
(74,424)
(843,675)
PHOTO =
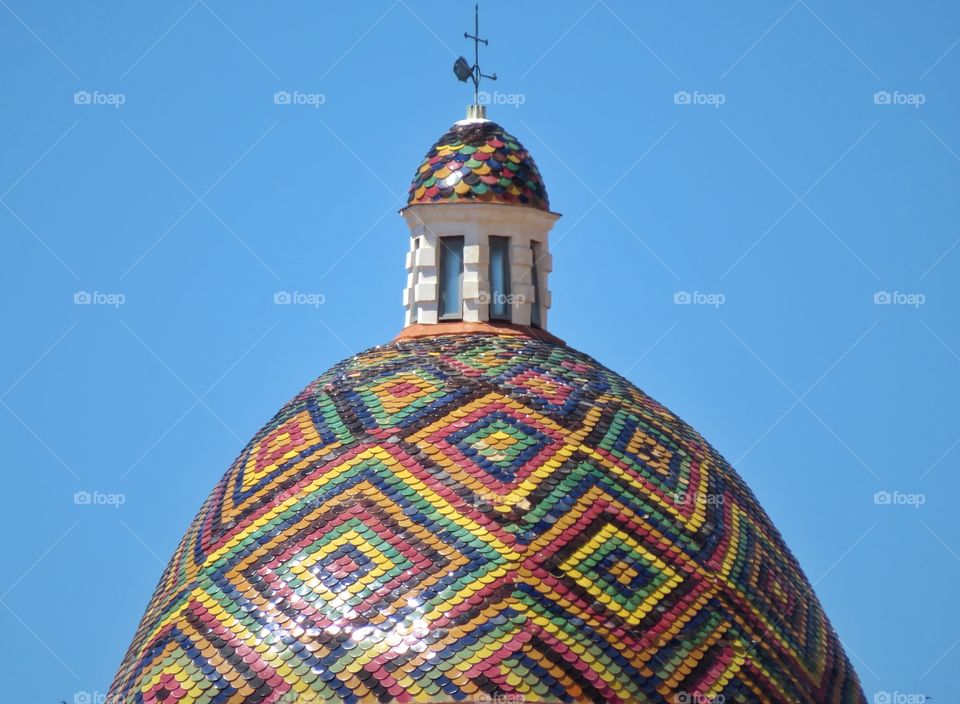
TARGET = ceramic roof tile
(478,161)
(481,518)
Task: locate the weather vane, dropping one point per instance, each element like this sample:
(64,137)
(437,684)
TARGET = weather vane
(465,71)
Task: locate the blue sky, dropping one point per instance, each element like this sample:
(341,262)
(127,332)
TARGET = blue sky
(792,167)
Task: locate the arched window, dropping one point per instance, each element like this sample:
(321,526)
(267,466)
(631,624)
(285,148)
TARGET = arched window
(500,278)
(451,278)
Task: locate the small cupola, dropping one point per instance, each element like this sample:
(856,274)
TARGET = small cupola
(479,221)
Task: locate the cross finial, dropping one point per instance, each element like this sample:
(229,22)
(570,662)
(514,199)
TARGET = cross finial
(465,71)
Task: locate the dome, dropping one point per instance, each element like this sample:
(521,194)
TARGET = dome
(481,517)
(478,161)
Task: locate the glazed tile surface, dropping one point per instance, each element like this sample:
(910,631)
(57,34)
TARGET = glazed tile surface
(481,518)
(478,162)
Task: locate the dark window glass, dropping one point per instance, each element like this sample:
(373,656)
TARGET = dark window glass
(451,277)
(500,278)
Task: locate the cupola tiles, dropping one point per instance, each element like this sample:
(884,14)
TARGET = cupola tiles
(476,512)
(479,222)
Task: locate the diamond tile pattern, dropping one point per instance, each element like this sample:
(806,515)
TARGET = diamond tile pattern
(481,518)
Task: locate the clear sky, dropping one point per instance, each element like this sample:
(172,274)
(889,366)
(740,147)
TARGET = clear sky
(794,165)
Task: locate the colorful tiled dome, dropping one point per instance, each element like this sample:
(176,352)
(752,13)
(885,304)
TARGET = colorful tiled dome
(481,518)
(477,160)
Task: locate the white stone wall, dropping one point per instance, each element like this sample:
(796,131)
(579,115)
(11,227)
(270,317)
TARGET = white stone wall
(476,223)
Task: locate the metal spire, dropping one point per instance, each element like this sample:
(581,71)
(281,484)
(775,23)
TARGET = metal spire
(465,71)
